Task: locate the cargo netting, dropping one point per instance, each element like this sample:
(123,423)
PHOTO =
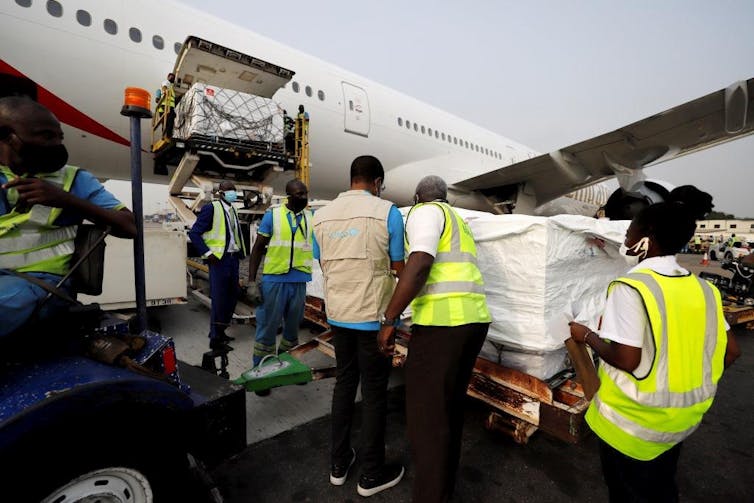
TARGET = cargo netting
(214,114)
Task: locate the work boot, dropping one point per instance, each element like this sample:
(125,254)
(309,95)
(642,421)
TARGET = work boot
(388,477)
(226,338)
(339,471)
(219,344)
(263,392)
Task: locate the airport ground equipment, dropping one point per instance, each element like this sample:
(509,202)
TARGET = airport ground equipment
(93,405)
(227,128)
(274,371)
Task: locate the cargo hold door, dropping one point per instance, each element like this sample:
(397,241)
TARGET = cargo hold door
(356,106)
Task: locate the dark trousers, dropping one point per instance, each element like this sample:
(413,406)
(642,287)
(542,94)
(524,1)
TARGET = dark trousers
(438,370)
(358,359)
(632,481)
(223,290)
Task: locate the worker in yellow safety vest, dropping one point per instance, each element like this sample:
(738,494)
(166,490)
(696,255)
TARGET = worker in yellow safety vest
(450,320)
(166,104)
(286,233)
(216,235)
(42,202)
(663,344)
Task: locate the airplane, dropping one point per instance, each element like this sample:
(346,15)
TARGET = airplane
(77,57)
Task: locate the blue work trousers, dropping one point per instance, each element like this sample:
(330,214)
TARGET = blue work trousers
(224,290)
(281,302)
(19,298)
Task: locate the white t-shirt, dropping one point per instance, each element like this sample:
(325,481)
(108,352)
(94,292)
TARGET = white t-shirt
(625,320)
(424,227)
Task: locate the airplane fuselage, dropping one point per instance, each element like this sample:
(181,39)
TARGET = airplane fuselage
(85,67)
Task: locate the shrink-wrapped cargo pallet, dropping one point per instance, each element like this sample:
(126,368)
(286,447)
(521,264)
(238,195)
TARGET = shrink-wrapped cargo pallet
(539,273)
(208,112)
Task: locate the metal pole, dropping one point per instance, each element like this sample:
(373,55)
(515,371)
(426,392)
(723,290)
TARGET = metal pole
(138,210)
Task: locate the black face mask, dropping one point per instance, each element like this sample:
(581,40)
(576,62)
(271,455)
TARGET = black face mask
(297,205)
(42,159)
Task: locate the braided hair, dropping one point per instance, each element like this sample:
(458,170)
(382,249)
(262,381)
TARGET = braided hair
(672,223)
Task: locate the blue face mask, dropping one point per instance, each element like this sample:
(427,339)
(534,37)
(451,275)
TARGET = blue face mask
(230,196)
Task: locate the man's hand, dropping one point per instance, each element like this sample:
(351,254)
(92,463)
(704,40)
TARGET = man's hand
(254,293)
(386,340)
(33,191)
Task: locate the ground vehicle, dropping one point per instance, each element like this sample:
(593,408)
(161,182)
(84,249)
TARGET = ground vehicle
(722,251)
(94,406)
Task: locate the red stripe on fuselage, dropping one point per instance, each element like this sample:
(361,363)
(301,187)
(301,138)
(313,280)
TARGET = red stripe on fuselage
(65,112)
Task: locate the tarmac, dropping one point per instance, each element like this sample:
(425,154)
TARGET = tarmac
(287,458)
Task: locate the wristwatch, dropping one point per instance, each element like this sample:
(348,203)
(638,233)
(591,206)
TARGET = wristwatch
(387,321)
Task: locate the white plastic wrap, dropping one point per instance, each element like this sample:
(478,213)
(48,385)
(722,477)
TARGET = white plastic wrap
(215,112)
(539,273)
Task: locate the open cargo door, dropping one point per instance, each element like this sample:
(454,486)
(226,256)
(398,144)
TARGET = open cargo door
(215,65)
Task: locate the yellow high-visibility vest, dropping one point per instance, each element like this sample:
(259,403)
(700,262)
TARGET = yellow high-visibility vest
(215,237)
(454,291)
(285,250)
(644,416)
(29,241)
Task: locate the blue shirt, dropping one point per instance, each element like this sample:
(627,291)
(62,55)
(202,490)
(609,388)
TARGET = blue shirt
(396,251)
(85,186)
(294,275)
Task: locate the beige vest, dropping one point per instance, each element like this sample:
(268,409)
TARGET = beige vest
(353,250)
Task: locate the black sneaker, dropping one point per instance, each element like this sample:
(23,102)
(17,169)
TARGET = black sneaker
(339,472)
(226,338)
(263,392)
(219,345)
(390,476)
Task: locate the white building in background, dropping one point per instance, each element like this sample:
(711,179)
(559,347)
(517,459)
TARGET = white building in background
(723,229)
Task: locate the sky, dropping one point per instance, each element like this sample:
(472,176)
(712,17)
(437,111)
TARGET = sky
(546,74)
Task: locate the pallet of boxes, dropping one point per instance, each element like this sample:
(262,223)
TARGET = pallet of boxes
(539,273)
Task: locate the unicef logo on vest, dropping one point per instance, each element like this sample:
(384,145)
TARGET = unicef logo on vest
(349,233)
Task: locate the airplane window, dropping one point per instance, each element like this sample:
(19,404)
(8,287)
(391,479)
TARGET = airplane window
(408,124)
(455,140)
(54,8)
(294,86)
(177,47)
(24,3)
(158,42)
(437,135)
(308,91)
(416,127)
(423,130)
(134,34)
(429,131)
(443,137)
(400,122)
(466,144)
(111,26)
(321,95)
(486,151)
(83,17)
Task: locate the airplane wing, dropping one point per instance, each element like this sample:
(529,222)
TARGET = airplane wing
(713,119)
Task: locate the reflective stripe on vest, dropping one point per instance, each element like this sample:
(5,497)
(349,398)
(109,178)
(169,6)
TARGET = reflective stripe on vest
(454,291)
(30,242)
(215,237)
(642,418)
(285,250)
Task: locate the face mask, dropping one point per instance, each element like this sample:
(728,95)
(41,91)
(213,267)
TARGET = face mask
(42,159)
(297,204)
(639,250)
(230,196)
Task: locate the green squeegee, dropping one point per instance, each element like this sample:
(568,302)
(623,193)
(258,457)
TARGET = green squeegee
(273,371)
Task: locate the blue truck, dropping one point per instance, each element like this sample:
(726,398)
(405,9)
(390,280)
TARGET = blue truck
(143,427)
